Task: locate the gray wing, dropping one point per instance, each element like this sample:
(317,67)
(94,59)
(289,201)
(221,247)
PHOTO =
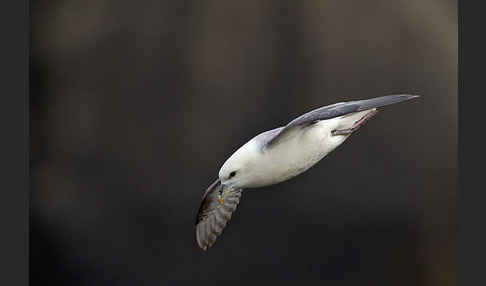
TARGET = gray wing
(214,213)
(334,110)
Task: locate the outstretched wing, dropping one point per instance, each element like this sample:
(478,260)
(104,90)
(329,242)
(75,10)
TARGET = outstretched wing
(214,213)
(334,110)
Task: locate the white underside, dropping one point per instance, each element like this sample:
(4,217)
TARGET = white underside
(300,150)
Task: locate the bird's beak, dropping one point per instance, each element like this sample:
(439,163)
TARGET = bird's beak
(220,193)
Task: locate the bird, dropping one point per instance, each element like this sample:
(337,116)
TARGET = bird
(280,154)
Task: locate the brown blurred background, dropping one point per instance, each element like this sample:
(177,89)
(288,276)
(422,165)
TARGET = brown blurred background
(136,104)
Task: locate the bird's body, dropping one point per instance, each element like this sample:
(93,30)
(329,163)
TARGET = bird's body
(294,155)
(280,154)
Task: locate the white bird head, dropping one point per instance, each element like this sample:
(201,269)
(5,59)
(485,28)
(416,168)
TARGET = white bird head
(237,171)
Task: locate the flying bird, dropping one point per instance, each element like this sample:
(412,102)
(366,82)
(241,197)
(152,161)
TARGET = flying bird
(280,154)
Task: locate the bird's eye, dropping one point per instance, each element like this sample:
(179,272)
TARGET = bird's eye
(232,174)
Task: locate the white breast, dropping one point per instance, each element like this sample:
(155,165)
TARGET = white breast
(301,150)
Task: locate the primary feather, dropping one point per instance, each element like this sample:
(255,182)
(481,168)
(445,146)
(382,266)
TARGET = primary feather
(335,110)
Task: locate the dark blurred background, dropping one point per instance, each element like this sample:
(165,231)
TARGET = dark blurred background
(136,104)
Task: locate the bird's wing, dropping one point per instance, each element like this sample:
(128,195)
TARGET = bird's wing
(214,213)
(331,111)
